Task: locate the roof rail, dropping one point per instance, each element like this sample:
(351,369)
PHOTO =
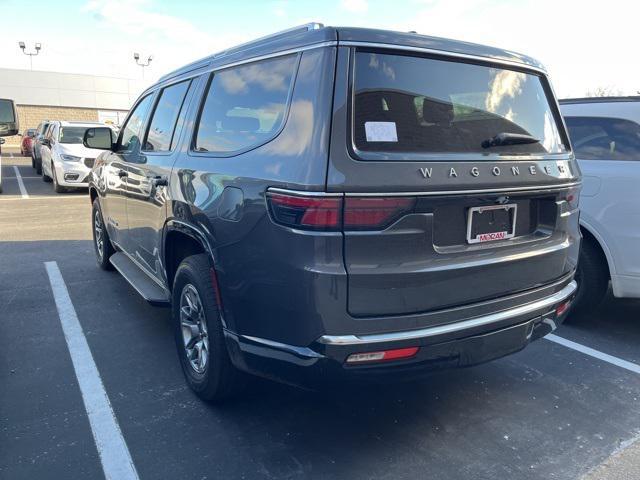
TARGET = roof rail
(281,34)
(613,98)
(273,36)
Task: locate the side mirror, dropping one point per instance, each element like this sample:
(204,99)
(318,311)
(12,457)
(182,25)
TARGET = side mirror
(2,140)
(45,142)
(8,118)
(99,138)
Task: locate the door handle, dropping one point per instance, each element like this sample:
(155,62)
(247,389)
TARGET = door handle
(160,181)
(122,173)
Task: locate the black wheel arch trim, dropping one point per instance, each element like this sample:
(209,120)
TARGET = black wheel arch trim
(199,234)
(193,231)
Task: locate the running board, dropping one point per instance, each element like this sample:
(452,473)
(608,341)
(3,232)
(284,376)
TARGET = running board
(140,280)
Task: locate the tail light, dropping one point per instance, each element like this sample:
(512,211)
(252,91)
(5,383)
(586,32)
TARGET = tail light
(374,212)
(335,213)
(572,197)
(308,213)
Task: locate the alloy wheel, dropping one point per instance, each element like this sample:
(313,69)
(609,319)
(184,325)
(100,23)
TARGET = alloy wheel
(194,329)
(98,230)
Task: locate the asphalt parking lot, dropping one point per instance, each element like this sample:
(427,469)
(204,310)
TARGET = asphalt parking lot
(550,411)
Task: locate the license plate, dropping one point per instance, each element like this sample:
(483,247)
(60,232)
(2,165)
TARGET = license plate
(491,223)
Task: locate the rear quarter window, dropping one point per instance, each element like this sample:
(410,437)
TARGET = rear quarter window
(409,104)
(245,106)
(604,138)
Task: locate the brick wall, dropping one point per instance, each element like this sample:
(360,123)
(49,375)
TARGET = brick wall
(31,115)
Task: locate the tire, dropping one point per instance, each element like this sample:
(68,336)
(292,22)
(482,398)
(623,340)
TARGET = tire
(56,186)
(38,166)
(103,249)
(592,276)
(45,178)
(33,161)
(217,378)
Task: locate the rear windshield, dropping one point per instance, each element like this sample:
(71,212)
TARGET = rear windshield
(72,134)
(414,104)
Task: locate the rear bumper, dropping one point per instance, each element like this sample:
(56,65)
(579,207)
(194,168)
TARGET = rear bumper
(626,286)
(457,344)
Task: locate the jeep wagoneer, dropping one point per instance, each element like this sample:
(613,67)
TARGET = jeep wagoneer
(342,203)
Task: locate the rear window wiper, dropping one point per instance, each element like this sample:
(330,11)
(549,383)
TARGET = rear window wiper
(506,138)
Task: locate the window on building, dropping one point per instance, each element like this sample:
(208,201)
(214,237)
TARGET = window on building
(112,117)
(163,122)
(604,138)
(130,138)
(245,106)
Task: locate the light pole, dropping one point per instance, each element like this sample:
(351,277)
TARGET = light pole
(142,63)
(38,47)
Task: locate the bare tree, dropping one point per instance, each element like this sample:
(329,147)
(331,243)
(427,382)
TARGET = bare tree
(604,91)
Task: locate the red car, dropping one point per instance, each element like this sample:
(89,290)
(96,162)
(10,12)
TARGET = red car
(27,142)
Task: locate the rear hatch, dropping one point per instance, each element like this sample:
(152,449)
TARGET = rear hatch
(458,179)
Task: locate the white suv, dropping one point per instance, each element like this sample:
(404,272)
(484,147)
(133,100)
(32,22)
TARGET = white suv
(605,134)
(65,160)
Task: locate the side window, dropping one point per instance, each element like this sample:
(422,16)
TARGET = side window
(245,106)
(604,138)
(130,132)
(163,122)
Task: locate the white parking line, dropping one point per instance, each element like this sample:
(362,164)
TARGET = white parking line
(84,198)
(23,191)
(632,367)
(114,454)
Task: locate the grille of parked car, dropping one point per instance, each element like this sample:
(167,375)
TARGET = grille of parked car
(89,162)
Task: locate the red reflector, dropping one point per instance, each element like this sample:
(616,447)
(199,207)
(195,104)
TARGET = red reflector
(374,212)
(383,356)
(400,353)
(562,308)
(216,286)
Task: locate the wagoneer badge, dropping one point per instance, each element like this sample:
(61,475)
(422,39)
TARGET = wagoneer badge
(498,170)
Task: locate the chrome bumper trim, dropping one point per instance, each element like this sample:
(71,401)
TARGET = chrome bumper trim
(528,188)
(546,302)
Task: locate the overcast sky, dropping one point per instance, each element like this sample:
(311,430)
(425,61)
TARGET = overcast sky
(584,44)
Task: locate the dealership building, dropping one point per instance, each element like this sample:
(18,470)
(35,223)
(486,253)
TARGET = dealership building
(66,96)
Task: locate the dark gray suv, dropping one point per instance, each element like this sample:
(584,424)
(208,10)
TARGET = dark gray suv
(342,203)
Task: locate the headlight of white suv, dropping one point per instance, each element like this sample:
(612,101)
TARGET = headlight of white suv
(70,158)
